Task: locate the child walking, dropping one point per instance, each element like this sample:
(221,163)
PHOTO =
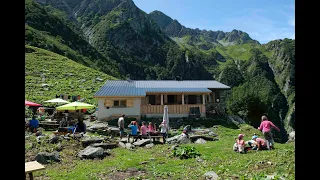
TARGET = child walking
(265,127)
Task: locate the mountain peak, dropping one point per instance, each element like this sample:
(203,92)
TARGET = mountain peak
(174,29)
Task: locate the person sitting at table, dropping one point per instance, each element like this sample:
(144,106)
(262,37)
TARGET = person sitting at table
(134,131)
(155,127)
(150,127)
(63,122)
(81,126)
(143,129)
(33,124)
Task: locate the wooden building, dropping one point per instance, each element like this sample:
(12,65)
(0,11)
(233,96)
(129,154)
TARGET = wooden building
(148,97)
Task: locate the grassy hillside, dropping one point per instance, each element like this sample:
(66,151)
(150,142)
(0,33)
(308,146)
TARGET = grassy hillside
(216,156)
(48,28)
(48,74)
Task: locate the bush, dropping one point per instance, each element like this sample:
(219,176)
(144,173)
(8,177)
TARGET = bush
(186,152)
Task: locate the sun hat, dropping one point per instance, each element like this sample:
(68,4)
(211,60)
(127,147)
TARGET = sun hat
(254,137)
(240,136)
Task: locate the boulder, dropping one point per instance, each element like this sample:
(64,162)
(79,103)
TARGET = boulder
(86,142)
(46,158)
(92,152)
(142,142)
(211,175)
(129,146)
(105,145)
(200,141)
(121,144)
(97,126)
(211,133)
(292,136)
(54,139)
(195,137)
(178,139)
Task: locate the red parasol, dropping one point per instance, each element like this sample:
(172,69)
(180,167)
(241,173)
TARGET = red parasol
(29,103)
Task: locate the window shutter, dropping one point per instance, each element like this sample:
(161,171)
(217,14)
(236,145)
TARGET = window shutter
(108,103)
(129,102)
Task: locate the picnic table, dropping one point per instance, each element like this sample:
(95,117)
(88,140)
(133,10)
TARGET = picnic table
(49,124)
(154,135)
(31,167)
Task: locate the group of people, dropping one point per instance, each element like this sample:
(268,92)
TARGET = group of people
(257,143)
(33,124)
(144,130)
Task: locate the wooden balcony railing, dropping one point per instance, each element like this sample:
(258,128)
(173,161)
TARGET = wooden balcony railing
(172,109)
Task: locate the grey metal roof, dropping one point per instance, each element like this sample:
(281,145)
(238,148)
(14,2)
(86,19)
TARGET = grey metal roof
(177,90)
(180,84)
(140,88)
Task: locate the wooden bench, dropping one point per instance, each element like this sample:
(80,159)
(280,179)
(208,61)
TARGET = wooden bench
(154,137)
(47,126)
(31,167)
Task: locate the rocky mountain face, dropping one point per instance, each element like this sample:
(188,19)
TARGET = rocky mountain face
(116,37)
(282,63)
(174,29)
(111,26)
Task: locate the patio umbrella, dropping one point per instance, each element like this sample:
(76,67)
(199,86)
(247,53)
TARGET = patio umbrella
(75,106)
(166,117)
(29,103)
(57,100)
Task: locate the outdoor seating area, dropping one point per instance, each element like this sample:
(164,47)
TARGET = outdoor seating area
(65,118)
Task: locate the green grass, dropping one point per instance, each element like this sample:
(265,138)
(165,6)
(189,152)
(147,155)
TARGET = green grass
(217,156)
(63,75)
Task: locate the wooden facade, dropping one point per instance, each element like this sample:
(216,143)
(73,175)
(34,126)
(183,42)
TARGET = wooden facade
(179,104)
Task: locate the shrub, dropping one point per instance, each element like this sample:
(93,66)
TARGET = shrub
(186,152)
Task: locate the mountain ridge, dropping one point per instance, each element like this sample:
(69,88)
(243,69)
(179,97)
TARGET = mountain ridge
(174,29)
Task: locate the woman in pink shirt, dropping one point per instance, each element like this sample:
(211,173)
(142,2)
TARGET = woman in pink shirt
(265,127)
(143,129)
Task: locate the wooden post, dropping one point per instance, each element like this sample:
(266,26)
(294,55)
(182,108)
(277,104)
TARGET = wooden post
(30,175)
(182,99)
(161,99)
(203,99)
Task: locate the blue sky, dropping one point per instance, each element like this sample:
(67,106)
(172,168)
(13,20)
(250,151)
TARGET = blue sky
(263,20)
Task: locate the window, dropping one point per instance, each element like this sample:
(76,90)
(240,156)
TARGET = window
(172,99)
(120,103)
(194,99)
(152,99)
